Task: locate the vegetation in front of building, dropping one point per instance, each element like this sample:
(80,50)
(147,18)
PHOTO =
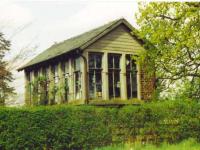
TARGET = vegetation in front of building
(189,144)
(89,127)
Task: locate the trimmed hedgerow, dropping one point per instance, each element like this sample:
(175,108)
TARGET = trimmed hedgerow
(86,127)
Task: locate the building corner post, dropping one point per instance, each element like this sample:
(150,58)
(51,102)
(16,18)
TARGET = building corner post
(105,87)
(84,79)
(71,80)
(123,83)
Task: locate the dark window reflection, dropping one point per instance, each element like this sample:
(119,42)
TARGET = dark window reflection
(131,77)
(95,75)
(114,75)
(77,78)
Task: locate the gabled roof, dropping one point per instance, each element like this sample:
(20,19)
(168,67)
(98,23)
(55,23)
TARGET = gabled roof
(77,42)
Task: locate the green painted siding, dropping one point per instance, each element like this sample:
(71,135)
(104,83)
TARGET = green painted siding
(119,40)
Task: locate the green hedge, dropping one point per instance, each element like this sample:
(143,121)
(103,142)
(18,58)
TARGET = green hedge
(86,127)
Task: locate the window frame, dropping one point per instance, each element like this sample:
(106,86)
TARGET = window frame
(94,72)
(65,70)
(130,80)
(112,71)
(77,83)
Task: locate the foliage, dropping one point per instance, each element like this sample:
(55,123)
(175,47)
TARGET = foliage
(5,74)
(87,127)
(171,33)
(190,144)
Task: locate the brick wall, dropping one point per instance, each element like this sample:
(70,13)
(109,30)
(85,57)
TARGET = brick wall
(147,85)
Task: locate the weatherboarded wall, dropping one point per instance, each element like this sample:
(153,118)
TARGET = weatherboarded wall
(118,40)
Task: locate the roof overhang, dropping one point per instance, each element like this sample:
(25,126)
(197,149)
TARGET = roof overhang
(91,41)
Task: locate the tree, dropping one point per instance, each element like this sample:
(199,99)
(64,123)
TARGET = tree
(5,75)
(172,36)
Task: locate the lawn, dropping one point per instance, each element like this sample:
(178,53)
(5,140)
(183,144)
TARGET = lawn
(190,144)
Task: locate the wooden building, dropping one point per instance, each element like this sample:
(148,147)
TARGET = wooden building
(94,67)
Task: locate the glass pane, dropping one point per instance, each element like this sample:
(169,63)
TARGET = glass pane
(66,87)
(98,77)
(47,73)
(128,62)
(98,84)
(134,85)
(28,76)
(98,60)
(67,67)
(77,85)
(131,79)
(56,70)
(117,83)
(110,81)
(53,70)
(128,81)
(77,64)
(110,61)
(91,61)
(31,76)
(63,67)
(91,85)
(116,61)
(134,67)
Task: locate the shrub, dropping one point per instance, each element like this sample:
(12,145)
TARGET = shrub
(86,127)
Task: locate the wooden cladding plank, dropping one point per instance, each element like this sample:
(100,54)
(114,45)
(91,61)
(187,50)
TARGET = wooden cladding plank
(121,43)
(113,50)
(117,46)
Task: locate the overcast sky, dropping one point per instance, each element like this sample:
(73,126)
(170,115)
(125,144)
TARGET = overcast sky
(41,23)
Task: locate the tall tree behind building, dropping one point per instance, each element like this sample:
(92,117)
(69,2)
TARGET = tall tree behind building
(173,28)
(5,74)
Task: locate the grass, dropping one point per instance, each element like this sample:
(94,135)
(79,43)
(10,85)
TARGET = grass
(190,144)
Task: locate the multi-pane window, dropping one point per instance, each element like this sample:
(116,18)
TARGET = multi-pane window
(114,75)
(55,76)
(45,72)
(77,78)
(95,77)
(65,68)
(131,77)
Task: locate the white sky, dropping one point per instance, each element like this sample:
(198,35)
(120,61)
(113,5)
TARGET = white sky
(45,22)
